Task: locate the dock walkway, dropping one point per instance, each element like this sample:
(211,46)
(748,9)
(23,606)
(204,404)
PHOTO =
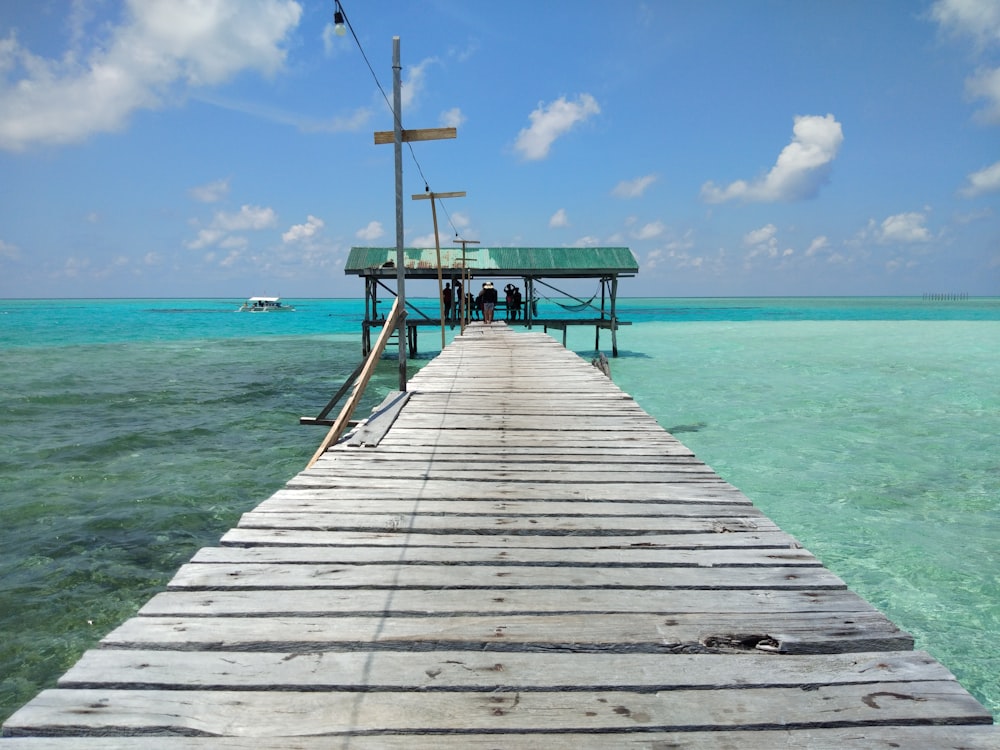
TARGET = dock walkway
(525,559)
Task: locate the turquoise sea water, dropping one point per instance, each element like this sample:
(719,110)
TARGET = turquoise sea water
(133,432)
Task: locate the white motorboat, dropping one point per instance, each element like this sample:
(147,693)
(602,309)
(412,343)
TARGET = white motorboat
(265,304)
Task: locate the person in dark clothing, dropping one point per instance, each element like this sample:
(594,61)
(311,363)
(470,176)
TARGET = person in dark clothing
(489,297)
(446,298)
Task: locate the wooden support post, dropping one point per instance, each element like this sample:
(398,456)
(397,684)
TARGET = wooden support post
(614,317)
(437,245)
(466,282)
(397,136)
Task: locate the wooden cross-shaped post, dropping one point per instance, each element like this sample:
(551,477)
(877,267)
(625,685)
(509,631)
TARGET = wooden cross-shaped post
(396,136)
(437,244)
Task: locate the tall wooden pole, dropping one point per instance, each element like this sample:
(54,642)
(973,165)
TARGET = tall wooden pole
(396,137)
(437,249)
(466,281)
(397,131)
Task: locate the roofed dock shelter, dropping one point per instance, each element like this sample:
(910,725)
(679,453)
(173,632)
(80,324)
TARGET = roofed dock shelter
(535,266)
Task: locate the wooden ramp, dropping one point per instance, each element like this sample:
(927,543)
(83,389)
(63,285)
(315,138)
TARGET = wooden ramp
(524,560)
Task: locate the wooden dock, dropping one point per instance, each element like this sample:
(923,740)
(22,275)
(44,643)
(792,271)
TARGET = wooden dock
(510,555)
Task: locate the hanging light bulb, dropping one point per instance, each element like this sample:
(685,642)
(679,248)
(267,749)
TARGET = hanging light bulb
(339,27)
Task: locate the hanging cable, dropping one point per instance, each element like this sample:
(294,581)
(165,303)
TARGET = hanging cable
(340,17)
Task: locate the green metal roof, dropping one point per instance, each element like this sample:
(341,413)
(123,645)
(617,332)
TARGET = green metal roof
(580,262)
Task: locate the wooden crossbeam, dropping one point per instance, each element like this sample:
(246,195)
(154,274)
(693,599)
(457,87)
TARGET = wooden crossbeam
(427,196)
(423,134)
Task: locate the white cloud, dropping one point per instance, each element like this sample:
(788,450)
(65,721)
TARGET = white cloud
(648,231)
(801,169)
(371,232)
(161,44)
(303,231)
(424,241)
(413,86)
(986,180)
(206,238)
(550,121)
(985,84)
(634,188)
(219,232)
(452,118)
(234,241)
(904,228)
(231,260)
(763,242)
(760,236)
(460,220)
(685,242)
(587,241)
(559,219)
(248,217)
(979,19)
(211,192)
(820,243)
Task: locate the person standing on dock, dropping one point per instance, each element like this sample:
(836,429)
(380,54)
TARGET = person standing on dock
(446,298)
(489,297)
(509,300)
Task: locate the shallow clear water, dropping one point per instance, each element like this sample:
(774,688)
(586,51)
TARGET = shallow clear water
(135,432)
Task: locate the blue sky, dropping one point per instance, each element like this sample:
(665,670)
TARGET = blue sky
(223,148)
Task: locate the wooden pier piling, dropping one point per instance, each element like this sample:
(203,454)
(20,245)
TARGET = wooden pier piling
(513,556)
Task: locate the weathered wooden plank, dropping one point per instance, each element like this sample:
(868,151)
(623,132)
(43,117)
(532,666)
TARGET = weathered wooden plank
(722,538)
(580,475)
(499,442)
(522,456)
(712,558)
(320,602)
(322,501)
(500,524)
(284,714)
(450,670)
(543,464)
(867,737)
(698,491)
(318,576)
(377,425)
(549,425)
(799,632)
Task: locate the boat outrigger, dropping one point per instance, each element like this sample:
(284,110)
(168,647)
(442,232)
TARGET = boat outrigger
(265,304)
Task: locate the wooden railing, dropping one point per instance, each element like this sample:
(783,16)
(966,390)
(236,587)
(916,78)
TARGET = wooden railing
(344,418)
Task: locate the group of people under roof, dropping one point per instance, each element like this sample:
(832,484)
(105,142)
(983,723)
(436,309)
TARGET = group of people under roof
(483,305)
